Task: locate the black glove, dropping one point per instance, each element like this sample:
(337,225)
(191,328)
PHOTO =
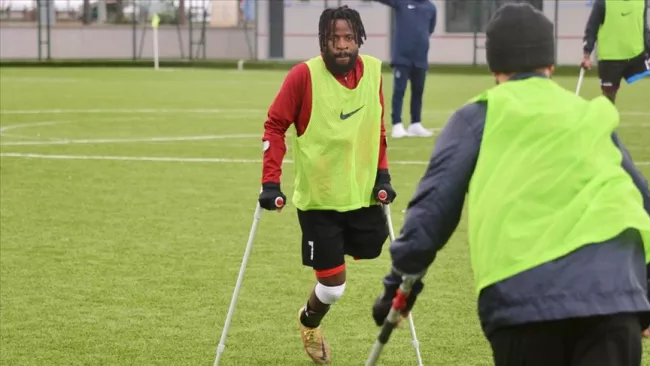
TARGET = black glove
(383,303)
(272,197)
(383,191)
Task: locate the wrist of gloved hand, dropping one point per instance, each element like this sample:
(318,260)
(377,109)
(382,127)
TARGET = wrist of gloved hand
(382,183)
(383,177)
(392,282)
(384,302)
(271,197)
(274,187)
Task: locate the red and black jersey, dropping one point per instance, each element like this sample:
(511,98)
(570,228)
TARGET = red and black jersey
(292,105)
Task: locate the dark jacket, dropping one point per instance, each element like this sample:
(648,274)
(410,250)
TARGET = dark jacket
(596,279)
(415,21)
(597,18)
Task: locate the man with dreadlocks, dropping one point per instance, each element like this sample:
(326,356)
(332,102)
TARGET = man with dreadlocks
(336,105)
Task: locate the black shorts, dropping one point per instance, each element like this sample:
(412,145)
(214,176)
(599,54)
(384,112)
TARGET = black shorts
(610,340)
(611,72)
(327,236)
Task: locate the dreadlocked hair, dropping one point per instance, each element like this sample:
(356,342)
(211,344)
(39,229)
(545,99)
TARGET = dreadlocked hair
(329,17)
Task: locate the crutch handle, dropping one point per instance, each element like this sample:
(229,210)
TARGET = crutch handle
(382,195)
(398,306)
(391,321)
(279,202)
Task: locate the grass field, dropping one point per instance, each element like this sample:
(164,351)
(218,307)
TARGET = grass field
(127,198)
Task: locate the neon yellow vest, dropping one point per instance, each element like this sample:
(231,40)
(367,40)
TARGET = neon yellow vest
(620,37)
(336,157)
(548,180)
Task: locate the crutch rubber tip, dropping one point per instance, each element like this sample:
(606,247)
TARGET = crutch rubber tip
(382,195)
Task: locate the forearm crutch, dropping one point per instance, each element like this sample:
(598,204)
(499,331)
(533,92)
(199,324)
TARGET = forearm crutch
(415,342)
(580,80)
(391,321)
(279,202)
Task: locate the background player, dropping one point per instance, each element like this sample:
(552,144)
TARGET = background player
(415,21)
(621,31)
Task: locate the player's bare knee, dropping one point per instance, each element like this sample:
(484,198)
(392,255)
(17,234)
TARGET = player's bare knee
(328,295)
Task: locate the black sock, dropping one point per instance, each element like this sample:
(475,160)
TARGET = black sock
(310,318)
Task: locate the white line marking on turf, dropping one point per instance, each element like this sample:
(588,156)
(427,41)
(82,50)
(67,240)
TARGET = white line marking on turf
(122,111)
(199,111)
(117,140)
(184,160)
(5,79)
(48,140)
(25,125)
(129,158)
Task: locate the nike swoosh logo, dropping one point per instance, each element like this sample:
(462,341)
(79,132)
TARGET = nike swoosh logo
(348,115)
(626,14)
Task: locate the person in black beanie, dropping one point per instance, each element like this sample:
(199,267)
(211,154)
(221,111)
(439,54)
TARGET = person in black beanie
(558,214)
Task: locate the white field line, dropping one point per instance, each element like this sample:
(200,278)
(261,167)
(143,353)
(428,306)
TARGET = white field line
(127,158)
(155,139)
(184,160)
(67,141)
(130,140)
(158,158)
(4,129)
(199,111)
(10,79)
(123,111)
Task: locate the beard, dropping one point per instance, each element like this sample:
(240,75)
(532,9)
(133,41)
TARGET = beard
(334,66)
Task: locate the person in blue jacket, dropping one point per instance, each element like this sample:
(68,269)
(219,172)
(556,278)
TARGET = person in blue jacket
(415,21)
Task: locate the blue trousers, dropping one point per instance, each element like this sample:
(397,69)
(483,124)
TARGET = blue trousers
(402,75)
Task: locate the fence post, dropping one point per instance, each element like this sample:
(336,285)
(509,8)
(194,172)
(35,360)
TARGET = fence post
(49,29)
(557,24)
(477,28)
(257,30)
(134,36)
(39,25)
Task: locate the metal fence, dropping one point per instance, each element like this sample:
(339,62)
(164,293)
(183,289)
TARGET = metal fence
(122,29)
(248,29)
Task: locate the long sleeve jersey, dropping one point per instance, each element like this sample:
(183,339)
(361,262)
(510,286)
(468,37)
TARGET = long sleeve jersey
(292,106)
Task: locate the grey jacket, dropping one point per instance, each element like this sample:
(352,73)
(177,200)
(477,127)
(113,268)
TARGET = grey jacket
(559,289)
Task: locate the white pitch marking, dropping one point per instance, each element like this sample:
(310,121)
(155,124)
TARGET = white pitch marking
(39,80)
(26,125)
(64,141)
(128,158)
(184,160)
(199,111)
(122,111)
(116,140)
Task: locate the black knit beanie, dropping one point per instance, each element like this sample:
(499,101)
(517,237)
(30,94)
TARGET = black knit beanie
(519,38)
